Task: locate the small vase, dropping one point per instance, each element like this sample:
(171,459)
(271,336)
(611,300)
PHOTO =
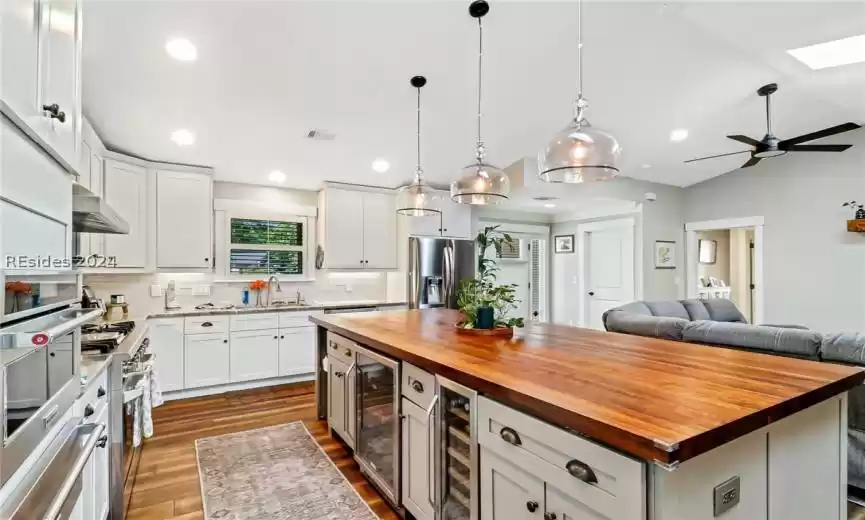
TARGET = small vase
(860,214)
(485,318)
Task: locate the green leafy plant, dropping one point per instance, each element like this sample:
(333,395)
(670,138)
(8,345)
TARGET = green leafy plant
(482,291)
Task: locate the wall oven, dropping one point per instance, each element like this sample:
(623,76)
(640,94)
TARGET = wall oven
(40,355)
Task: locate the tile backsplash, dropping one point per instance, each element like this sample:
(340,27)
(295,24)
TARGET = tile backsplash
(197,288)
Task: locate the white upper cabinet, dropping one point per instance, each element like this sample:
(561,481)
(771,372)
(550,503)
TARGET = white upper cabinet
(357,229)
(126,192)
(184,217)
(60,79)
(19,42)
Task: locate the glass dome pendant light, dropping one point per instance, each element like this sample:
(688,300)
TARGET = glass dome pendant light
(415,199)
(580,152)
(480,183)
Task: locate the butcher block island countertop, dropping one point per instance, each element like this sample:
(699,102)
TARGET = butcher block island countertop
(654,399)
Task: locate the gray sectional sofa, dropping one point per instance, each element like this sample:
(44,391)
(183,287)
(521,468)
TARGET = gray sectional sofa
(718,322)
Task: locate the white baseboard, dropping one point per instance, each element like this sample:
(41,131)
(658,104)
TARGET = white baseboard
(234,387)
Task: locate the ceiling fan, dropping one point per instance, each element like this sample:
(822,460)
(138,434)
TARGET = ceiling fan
(771,146)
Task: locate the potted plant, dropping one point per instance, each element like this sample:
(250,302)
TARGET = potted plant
(484,304)
(857,207)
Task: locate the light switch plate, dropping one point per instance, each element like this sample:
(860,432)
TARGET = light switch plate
(727,496)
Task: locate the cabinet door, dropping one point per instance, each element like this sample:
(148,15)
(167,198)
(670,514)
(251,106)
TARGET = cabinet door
(19,44)
(296,351)
(184,215)
(456,220)
(379,231)
(166,343)
(60,75)
(254,355)
(568,508)
(206,360)
(508,492)
(336,396)
(417,467)
(344,230)
(126,192)
(60,369)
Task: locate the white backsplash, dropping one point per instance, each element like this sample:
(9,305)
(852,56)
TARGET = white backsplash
(328,287)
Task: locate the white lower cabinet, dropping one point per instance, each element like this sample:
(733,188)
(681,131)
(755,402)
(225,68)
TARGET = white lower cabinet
(296,351)
(508,492)
(254,355)
(417,468)
(166,344)
(206,360)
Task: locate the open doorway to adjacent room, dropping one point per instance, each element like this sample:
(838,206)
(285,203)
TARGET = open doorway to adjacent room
(525,263)
(725,259)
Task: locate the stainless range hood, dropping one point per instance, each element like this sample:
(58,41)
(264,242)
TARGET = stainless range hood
(90,214)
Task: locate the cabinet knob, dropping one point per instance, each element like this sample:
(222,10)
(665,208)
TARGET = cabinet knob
(207,259)
(52,354)
(52,109)
(88,411)
(550,516)
(532,506)
(282,337)
(276,337)
(102,441)
(225,341)
(101,392)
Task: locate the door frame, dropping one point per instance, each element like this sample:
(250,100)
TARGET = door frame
(627,223)
(692,256)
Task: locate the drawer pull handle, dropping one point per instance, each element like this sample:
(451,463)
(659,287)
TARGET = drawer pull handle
(417,386)
(207,324)
(581,471)
(347,352)
(532,506)
(550,516)
(102,441)
(510,436)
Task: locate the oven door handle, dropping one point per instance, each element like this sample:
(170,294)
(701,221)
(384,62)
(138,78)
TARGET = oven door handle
(56,508)
(66,327)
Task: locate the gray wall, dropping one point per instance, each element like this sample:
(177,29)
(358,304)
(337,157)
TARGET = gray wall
(814,269)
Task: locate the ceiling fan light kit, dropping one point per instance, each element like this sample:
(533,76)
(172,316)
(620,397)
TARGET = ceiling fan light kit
(580,152)
(480,183)
(415,200)
(770,146)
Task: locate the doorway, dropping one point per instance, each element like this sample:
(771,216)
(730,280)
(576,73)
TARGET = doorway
(606,278)
(725,260)
(524,264)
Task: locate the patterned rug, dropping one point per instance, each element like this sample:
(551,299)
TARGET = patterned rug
(275,473)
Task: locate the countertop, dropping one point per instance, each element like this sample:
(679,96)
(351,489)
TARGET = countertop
(312,306)
(654,399)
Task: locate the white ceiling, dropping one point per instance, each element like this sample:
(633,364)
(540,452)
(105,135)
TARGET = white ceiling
(268,71)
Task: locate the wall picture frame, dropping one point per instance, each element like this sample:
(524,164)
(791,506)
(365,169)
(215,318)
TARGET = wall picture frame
(563,243)
(665,254)
(707,251)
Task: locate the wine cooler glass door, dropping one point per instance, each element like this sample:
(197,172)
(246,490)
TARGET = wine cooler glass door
(378,420)
(457,441)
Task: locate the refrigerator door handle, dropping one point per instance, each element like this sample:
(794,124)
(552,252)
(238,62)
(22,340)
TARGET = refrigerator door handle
(414,278)
(448,273)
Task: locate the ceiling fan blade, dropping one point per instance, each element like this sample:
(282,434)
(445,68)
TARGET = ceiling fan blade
(826,132)
(714,156)
(744,139)
(751,162)
(819,147)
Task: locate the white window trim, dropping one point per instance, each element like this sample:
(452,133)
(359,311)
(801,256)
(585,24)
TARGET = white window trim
(224,246)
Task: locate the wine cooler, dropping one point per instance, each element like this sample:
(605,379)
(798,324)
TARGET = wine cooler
(377,439)
(456,489)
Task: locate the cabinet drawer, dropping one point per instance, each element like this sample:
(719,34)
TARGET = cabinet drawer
(295,319)
(96,397)
(615,486)
(254,321)
(206,324)
(417,385)
(340,346)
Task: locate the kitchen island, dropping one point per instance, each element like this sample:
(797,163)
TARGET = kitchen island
(664,430)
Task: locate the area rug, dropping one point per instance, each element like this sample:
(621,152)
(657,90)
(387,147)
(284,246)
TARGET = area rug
(276,473)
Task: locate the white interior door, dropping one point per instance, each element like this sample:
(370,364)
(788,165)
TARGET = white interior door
(607,250)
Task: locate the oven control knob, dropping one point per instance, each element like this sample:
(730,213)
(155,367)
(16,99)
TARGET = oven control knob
(100,392)
(102,441)
(88,410)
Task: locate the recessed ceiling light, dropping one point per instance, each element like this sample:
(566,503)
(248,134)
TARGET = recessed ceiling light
(181,49)
(679,134)
(276,176)
(380,165)
(646,166)
(183,137)
(832,54)
(549,205)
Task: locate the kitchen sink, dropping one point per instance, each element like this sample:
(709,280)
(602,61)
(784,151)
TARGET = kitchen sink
(277,304)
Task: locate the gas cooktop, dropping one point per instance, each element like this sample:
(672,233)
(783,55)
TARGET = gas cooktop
(105,337)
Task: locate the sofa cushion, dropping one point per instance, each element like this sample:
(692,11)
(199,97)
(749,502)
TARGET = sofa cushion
(668,309)
(845,347)
(724,310)
(651,326)
(856,458)
(696,309)
(856,408)
(781,341)
(638,308)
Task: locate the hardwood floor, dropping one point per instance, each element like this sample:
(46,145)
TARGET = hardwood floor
(167,484)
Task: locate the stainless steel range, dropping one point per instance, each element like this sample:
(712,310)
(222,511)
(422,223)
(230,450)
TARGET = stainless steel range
(105,337)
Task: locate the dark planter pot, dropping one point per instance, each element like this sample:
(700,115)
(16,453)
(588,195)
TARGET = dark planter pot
(860,214)
(485,318)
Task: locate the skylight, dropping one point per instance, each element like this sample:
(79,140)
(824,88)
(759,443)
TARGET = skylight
(832,54)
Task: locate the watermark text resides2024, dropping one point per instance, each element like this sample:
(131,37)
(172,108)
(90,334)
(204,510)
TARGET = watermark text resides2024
(53,262)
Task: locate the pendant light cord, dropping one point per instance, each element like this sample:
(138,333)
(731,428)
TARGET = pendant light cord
(418,170)
(480,146)
(580,49)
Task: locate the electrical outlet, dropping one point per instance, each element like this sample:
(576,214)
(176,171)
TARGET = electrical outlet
(155,290)
(348,288)
(726,496)
(201,290)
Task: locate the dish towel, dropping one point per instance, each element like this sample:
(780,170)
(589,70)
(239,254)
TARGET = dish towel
(141,409)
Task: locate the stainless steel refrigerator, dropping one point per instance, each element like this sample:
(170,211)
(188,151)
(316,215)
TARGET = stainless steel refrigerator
(435,268)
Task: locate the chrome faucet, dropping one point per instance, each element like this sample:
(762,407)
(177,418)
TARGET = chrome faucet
(270,281)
